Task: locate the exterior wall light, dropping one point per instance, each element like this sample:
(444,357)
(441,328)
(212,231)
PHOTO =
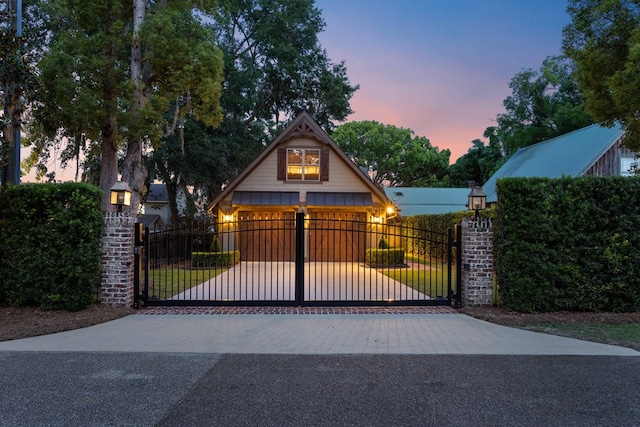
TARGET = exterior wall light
(120,195)
(477,199)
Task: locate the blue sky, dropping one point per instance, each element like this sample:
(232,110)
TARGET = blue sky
(439,67)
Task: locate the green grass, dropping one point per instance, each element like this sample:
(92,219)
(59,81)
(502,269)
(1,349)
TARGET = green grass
(626,335)
(167,282)
(432,282)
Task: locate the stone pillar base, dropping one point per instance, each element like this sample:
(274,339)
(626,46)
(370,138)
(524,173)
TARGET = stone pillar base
(116,270)
(477,262)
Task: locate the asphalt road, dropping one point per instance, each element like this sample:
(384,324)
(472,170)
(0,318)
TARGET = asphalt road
(188,389)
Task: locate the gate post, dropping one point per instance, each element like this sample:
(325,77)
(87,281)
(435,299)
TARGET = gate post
(477,261)
(299,259)
(116,267)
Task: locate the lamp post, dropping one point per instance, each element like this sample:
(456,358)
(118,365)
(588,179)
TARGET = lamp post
(477,200)
(120,195)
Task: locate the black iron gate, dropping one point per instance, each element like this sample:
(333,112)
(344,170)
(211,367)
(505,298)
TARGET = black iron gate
(293,260)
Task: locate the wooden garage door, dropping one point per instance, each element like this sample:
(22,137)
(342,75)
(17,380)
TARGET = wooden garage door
(266,236)
(337,236)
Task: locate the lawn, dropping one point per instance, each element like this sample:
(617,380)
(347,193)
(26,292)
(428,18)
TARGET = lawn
(427,276)
(167,282)
(627,335)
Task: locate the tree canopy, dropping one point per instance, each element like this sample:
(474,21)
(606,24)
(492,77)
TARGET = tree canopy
(393,156)
(110,73)
(543,104)
(274,68)
(603,38)
(478,164)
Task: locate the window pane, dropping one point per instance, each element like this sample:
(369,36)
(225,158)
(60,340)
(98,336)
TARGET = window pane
(294,164)
(312,165)
(294,156)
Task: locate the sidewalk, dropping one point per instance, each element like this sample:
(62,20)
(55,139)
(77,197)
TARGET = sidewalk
(421,332)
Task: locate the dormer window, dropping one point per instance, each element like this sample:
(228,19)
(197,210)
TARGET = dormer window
(303,164)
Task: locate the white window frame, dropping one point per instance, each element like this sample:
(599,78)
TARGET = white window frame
(625,165)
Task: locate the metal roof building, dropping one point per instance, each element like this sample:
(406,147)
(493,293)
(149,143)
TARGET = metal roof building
(418,201)
(593,150)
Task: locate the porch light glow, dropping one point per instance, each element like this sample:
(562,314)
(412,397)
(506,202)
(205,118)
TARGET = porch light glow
(227,217)
(390,210)
(120,195)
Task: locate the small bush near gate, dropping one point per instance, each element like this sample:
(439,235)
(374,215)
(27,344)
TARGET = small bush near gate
(383,244)
(50,245)
(385,257)
(215,244)
(214,259)
(568,244)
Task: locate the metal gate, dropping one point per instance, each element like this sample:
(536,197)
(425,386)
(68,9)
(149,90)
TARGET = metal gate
(293,260)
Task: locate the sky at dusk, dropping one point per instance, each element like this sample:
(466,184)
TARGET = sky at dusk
(439,67)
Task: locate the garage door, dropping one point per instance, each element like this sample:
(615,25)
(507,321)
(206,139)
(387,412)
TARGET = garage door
(337,236)
(266,236)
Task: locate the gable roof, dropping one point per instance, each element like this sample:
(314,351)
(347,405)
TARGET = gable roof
(303,126)
(569,155)
(419,201)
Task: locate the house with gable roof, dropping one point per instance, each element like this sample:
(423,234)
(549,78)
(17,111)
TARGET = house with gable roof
(591,151)
(302,170)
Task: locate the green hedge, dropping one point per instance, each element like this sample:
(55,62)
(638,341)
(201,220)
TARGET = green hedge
(568,244)
(384,257)
(425,233)
(214,259)
(50,245)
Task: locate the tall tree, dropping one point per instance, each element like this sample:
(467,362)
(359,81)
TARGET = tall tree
(478,164)
(543,104)
(392,156)
(112,70)
(603,39)
(274,68)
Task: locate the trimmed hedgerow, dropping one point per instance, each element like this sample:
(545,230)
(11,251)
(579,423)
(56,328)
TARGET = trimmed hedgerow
(214,259)
(50,245)
(568,244)
(425,233)
(384,257)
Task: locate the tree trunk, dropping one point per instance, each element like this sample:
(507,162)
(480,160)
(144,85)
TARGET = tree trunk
(108,164)
(109,148)
(134,172)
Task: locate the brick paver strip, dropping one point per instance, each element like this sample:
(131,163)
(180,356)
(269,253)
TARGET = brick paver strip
(296,310)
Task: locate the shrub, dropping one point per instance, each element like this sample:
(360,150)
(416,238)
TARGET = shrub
(568,244)
(215,244)
(383,244)
(425,233)
(214,259)
(50,245)
(385,257)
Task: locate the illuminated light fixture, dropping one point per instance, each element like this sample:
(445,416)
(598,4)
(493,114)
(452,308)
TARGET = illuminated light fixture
(227,217)
(120,195)
(477,199)
(390,210)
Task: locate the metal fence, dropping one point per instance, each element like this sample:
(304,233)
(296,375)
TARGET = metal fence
(328,259)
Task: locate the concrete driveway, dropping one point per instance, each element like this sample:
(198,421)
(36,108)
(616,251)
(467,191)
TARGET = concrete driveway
(324,281)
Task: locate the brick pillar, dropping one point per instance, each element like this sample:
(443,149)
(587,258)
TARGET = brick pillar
(477,262)
(116,270)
